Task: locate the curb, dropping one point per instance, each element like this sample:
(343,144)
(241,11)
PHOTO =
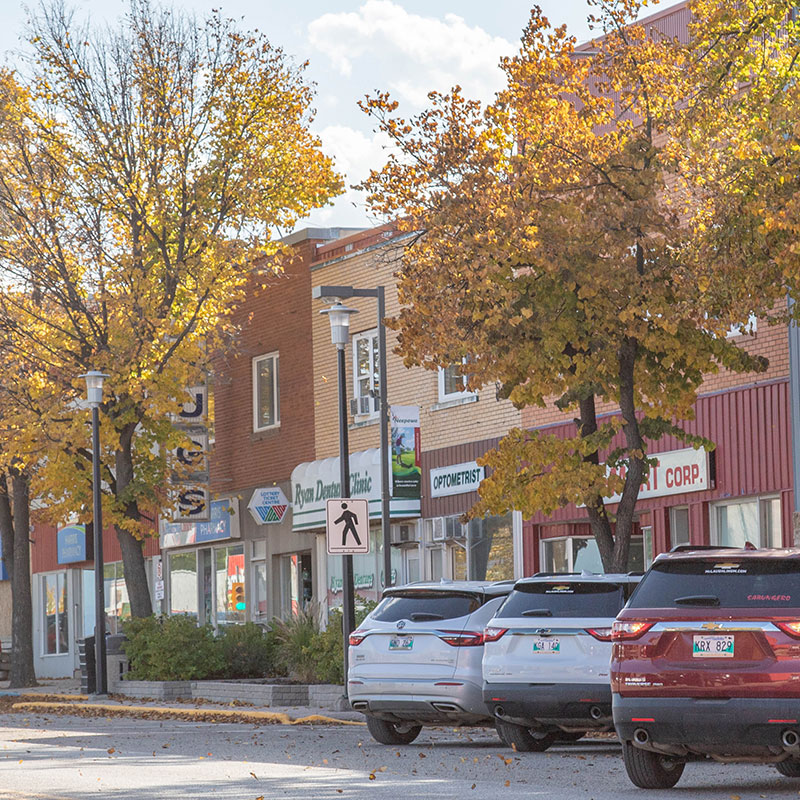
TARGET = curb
(189,714)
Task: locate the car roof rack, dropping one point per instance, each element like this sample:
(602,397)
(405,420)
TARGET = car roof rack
(553,574)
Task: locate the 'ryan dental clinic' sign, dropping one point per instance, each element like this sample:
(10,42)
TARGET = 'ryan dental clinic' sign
(315,482)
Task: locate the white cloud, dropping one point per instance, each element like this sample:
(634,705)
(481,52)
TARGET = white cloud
(410,54)
(354,153)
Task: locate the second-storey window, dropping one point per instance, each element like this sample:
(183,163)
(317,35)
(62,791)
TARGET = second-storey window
(366,374)
(452,383)
(266,405)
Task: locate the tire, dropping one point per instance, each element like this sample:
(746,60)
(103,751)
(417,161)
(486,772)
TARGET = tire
(649,770)
(790,768)
(392,732)
(522,739)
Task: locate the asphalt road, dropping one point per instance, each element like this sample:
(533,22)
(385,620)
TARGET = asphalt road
(69,758)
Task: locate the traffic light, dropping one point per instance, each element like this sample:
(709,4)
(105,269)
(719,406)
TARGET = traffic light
(237,596)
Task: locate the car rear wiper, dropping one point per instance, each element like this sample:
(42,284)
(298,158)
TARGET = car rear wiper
(697,600)
(424,616)
(537,612)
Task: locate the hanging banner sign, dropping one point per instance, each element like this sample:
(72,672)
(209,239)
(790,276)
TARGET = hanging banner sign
(406,451)
(189,494)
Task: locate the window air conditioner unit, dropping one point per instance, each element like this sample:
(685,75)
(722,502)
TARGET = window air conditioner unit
(401,534)
(360,406)
(438,529)
(453,528)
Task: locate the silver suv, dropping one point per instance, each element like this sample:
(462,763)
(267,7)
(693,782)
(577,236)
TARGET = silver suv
(416,659)
(547,654)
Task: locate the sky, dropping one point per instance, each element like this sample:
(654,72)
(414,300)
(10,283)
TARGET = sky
(355,47)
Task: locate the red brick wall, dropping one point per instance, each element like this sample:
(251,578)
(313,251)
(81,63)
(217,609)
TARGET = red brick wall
(277,318)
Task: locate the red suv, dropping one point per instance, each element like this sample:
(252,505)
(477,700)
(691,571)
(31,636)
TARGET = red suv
(706,663)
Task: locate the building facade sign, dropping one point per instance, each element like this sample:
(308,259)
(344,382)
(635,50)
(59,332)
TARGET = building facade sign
(268,505)
(315,482)
(73,545)
(675,472)
(456,479)
(224,524)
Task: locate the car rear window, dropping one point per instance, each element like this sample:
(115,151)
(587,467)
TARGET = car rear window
(425,606)
(750,582)
(566,599)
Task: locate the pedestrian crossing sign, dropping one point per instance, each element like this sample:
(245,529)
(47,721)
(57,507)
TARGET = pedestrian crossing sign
(347,529)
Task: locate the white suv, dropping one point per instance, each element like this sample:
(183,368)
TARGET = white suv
(416,659)
(547,655)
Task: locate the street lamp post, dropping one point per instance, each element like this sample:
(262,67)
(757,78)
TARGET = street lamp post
(342,293)
(94,394)
(339,318)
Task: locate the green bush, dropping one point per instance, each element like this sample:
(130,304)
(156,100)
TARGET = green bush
(171,649)
(248,651)
(293,637)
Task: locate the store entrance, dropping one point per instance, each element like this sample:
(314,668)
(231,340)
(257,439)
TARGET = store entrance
(296,582)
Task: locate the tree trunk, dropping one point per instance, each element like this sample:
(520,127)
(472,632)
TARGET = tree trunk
(22,672)
(6,526)
(132,549)
(636,463)
(595,508)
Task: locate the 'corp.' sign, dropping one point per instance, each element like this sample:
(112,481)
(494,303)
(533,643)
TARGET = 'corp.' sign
(675,472)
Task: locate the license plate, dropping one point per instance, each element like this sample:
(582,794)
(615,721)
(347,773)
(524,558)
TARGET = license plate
(712,646)
(546,646)
(401,642)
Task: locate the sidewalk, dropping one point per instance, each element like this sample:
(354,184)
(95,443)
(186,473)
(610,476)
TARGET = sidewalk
(64,696)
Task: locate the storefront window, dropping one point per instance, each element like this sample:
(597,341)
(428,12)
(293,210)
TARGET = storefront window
(459,563)
(579,553)
(756,520)
(490,544)
(183,583)
(366,569)
(229,566)
(56,619)
(118,607)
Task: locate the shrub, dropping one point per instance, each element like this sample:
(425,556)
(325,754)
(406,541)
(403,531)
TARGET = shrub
(247,650)
(171,649)
(293,636)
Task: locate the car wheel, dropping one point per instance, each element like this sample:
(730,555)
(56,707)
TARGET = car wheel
(790,768)
(392,732)
(522,739)
(649,770)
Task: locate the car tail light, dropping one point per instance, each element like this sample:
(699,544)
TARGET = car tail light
(603,634)
(356,637)
(461,638)
(493,634)
(792,628)
(620,631)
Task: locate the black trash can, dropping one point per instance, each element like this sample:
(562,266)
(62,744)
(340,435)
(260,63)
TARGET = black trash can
(114,643)
(87,662)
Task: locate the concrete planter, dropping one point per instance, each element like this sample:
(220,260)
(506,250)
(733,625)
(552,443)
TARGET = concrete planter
(257,694)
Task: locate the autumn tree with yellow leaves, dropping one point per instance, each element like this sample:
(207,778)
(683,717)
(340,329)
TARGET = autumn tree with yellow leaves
(143,171)
(563,248)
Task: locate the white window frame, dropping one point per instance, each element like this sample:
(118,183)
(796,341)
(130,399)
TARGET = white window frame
(570,551)
(759,500)
(372,337)
(672,511)
(445,396)
(275,391)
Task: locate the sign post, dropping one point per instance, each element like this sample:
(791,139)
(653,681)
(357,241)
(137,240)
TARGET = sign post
(347,526)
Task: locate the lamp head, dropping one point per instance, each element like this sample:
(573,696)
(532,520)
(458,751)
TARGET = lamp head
(94,386)
(339,317)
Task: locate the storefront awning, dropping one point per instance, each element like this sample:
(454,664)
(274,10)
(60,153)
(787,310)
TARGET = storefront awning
(315,482)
